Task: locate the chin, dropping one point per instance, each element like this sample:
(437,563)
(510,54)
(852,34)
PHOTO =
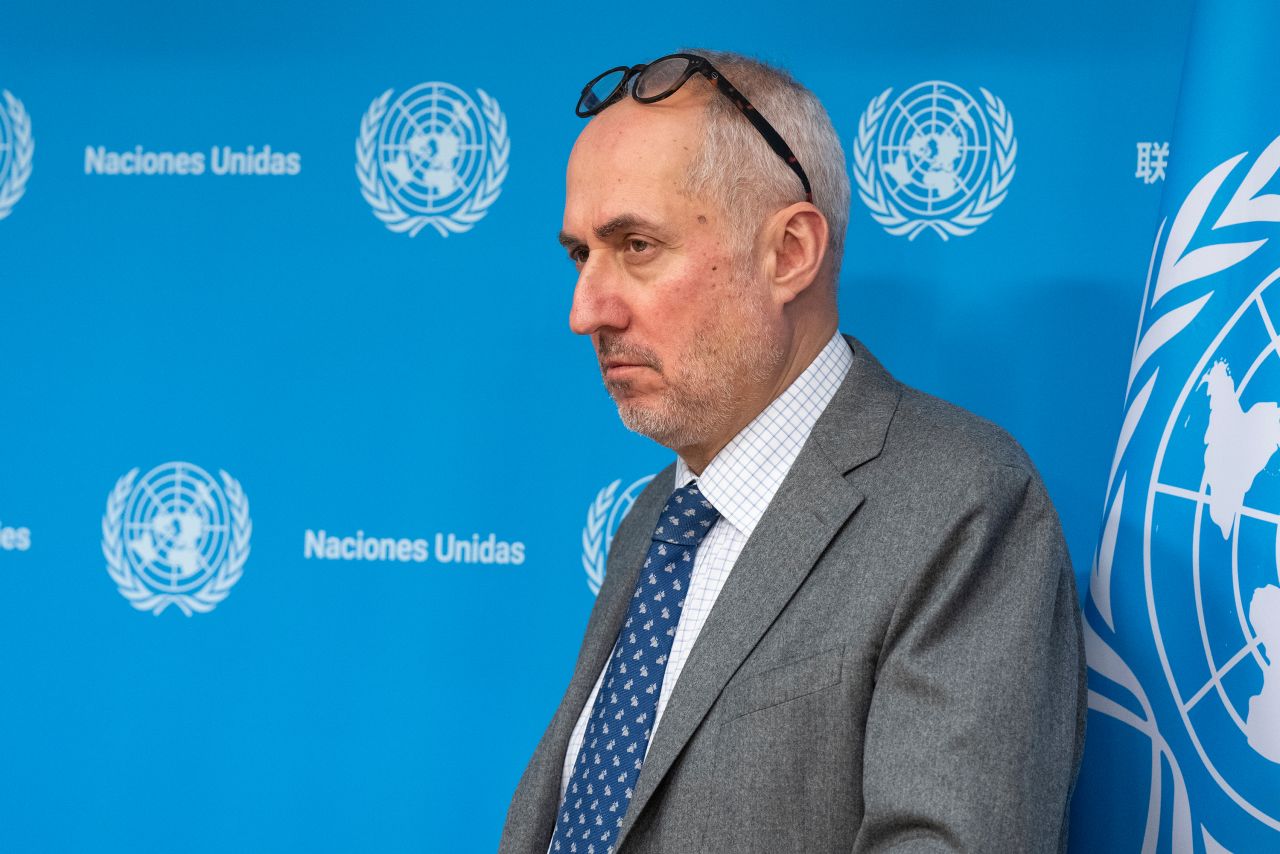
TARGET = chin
(659,424)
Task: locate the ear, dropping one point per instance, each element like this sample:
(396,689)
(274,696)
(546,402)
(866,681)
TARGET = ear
(795,245)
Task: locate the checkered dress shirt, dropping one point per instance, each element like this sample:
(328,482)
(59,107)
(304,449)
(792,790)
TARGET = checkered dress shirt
(740,482)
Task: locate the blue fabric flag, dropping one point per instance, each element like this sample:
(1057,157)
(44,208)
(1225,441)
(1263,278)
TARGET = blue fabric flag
(1183,611)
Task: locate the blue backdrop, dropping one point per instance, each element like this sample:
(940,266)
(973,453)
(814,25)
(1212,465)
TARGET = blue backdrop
(284,370)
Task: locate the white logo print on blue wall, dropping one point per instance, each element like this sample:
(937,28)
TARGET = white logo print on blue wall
(176,536)
(1194,504)
(432,157)
(603,518)
(934,159)
(16,148)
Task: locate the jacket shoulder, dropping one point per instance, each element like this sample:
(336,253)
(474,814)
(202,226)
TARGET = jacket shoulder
(943,445)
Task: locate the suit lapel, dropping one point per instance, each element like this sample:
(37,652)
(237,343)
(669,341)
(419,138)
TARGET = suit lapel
(626,554)
(810,507)
(538,797)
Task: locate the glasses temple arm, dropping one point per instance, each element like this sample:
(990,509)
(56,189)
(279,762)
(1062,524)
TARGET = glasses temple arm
(761,124)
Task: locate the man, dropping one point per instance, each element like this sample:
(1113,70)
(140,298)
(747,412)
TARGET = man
(853,624)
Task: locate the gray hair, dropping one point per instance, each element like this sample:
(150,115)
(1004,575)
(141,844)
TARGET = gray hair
(738,169)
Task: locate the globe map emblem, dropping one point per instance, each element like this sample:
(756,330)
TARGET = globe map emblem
(934,148)
(432,147)
(176,527)
(1215,600)
(176,536)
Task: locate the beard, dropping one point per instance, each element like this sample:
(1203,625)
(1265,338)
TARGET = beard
(702,393)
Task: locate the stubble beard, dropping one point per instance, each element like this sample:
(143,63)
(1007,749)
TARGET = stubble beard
(704,392)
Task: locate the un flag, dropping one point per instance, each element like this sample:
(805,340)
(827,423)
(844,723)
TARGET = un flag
(1183,612)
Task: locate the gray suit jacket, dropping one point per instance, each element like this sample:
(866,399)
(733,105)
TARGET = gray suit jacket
(894,663)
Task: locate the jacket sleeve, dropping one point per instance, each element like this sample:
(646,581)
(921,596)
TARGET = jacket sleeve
(976,722)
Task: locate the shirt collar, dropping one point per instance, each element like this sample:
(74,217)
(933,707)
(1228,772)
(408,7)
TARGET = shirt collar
(743,478)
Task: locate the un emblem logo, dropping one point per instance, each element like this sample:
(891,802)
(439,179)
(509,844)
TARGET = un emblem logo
(1208,492)
(1199,458)
(934,159)
(16,147)
(176,536)
(432,157)
(603,517)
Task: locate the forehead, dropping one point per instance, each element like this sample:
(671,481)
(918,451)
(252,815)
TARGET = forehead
(632,158)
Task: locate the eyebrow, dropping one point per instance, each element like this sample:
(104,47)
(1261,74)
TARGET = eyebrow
(605,230)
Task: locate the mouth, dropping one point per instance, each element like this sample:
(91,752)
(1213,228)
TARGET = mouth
(622,363)
(617,370)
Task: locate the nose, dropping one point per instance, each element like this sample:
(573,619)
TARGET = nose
(597,301)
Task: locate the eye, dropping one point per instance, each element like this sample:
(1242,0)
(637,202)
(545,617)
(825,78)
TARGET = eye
(638,246)
(578,255)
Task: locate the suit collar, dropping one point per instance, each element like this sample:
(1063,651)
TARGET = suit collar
(853,427)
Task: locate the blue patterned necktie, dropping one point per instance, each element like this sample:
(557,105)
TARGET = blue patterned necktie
(617,734)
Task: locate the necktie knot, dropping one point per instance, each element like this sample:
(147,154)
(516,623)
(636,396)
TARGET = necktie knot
(686,518)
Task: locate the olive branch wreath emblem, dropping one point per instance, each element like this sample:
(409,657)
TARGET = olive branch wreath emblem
(595,547)
(1174,266)
(23,147)
(979,209)
(472,209)
(595,534)
(132,586)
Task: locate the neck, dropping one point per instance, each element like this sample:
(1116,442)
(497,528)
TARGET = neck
(805,347)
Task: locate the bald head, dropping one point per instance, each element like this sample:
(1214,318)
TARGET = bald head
(641,154)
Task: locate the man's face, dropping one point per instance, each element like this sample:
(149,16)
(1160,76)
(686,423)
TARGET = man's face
(683,328)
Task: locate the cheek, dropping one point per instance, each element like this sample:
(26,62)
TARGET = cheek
(681,299)
(706,276)
(689,303)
